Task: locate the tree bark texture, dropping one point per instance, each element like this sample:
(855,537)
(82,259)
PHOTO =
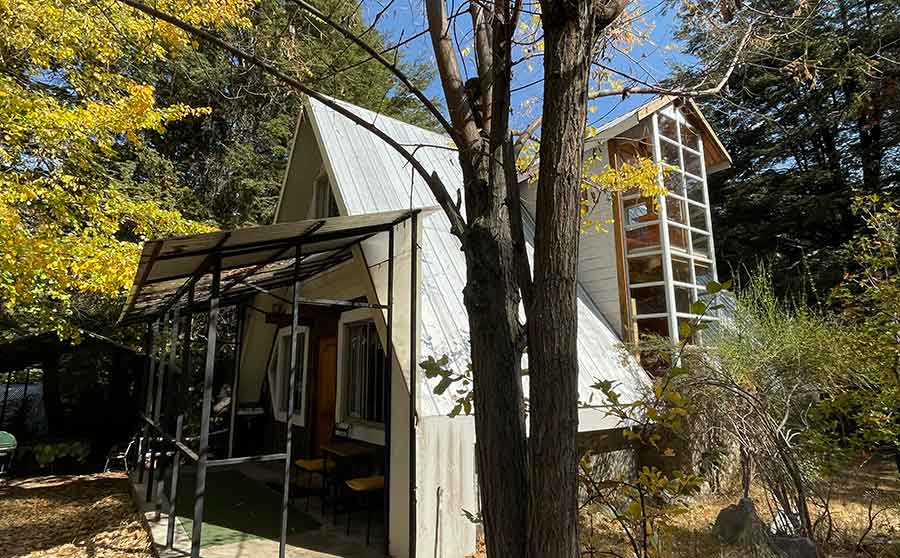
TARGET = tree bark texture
(553,319)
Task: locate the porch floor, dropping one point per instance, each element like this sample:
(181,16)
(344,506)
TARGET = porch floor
(239,534)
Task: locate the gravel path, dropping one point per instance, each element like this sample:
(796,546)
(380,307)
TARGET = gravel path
(89,516)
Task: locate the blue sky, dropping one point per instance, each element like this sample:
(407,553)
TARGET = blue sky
(649,61)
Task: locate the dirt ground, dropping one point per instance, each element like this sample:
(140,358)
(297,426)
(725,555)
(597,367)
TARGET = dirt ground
(90,516)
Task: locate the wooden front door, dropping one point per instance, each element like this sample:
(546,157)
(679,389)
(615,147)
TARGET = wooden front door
(326,392)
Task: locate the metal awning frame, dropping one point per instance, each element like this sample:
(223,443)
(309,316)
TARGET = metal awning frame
(237,280)
(163,374)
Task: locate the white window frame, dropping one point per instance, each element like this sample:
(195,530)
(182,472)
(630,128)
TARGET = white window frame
(361,430)
(279,364)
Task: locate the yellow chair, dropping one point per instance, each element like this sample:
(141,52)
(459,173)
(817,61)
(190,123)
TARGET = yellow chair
(365,486)
(321,466)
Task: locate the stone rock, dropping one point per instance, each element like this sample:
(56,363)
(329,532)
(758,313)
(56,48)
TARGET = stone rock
(739,524)
(795,547)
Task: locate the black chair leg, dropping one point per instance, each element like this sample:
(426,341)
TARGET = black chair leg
(308,488)
(349,513)
(368,518)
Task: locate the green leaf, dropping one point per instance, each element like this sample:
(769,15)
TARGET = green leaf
(713,287)
(685,329)
(698,307)
(442,385)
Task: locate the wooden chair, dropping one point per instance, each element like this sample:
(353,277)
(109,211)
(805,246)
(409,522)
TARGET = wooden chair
(321,466)
(366,487)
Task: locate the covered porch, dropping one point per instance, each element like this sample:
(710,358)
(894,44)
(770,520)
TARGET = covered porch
(195,431)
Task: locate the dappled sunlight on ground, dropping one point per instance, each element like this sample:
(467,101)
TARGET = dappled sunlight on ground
(70,517)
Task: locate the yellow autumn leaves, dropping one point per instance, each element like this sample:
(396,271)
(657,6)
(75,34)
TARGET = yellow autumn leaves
(72,100)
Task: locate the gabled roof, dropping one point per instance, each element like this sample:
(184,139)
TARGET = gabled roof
(368,176)
(717,157)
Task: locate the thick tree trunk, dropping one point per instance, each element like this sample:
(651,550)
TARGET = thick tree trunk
(553,319)
(492,301)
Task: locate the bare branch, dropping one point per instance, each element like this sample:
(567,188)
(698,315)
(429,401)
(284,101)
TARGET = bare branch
(646,88)
(451,80)
(404,79)
(485,57)
(457,224)
(656,89)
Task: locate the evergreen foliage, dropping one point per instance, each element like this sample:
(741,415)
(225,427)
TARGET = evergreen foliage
(811,118)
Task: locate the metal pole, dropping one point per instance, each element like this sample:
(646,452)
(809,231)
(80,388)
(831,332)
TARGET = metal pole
(237,378)
(207,405)
(157,403)
(151,366)
(388,367)
(5,398)
(413,392)
(185,376)
(173,490)
(295,315)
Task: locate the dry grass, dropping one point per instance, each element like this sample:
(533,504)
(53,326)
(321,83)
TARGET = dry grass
(690,535)
(71,516)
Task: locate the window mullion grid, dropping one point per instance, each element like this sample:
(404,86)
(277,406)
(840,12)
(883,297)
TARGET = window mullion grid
(667,256)
(712,245)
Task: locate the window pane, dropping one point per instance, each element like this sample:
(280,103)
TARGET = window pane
(683,299)
(698,217)
(674,182)
(365,373)
(667,127)
(703,272)
(689,137)
(678,238)
(695,189)
(639,210)
(692,163)
(701,244)
(675,210)
(650,300)
(670,153)
(645,269)
(653,326)
(681,269)
(643,238)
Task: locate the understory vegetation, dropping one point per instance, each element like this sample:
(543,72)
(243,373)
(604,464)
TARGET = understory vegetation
(793,406)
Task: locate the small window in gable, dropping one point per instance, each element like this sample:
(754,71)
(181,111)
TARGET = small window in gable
(324,202)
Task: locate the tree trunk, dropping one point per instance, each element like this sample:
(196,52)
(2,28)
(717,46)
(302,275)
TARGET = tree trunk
(553,320)
(492,301)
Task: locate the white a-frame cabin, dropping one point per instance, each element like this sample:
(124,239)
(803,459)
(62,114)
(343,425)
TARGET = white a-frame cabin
(640,276)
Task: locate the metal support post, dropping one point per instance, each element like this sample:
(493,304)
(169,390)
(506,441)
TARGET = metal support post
(199,493)
(151,367)
(235,384)
(413,392)
(295,316)
(173,489)
(388,367)
(157,403)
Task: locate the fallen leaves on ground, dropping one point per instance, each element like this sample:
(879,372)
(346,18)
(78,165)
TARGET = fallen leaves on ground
(71,517)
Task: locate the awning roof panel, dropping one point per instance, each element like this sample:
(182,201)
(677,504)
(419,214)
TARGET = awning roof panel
(250,258)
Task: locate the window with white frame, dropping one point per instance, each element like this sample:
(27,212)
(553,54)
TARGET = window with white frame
(363,373)
(668,241)
(323,198)
(280,374)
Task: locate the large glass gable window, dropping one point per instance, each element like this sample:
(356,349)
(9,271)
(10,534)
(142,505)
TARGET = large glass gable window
(668,241)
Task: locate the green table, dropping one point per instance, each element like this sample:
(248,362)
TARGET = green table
(8,446)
